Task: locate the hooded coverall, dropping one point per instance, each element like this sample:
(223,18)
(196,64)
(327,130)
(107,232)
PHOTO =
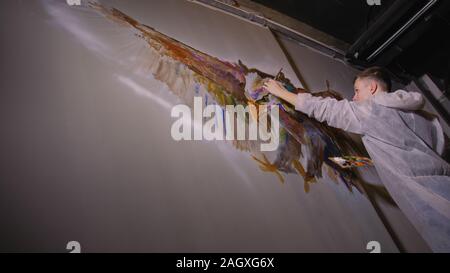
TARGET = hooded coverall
(406,147)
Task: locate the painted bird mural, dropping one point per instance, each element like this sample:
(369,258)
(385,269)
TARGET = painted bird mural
(305,144)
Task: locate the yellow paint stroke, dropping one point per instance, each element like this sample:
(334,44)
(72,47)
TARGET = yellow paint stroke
(252,108)
(266,166)
(307,178)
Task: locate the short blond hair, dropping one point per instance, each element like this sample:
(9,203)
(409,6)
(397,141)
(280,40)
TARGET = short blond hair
(378,74)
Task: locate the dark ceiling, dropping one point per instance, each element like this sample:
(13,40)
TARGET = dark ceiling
(423,48)
(343,19)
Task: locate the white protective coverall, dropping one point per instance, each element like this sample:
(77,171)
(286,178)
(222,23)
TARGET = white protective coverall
(405,146)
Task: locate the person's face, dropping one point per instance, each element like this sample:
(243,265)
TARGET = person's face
(364,89)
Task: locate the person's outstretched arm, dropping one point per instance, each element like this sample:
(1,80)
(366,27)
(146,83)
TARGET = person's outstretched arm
(339,114)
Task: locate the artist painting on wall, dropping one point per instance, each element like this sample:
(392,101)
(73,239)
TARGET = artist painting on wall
(405,143)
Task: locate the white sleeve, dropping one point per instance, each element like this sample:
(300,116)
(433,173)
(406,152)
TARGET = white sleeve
(439,137)
(339,114)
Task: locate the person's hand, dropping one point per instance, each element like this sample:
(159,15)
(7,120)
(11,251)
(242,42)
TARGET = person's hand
(277,89)
(273,87)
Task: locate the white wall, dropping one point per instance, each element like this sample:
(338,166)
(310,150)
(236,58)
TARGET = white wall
(88,158)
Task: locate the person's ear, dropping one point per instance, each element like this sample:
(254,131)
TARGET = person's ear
(373,87)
